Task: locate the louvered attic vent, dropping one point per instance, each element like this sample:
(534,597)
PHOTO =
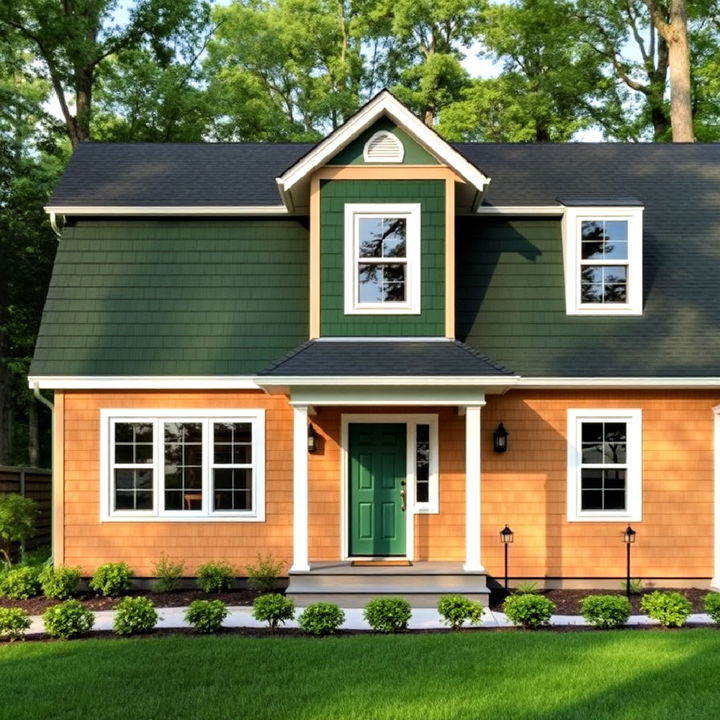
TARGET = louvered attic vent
(384,147)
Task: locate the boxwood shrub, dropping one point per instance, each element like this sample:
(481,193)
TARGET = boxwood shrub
(388,614)
(671,609)
(321,618)
(605,611)
(68,619)
(13,623)
(711,603)
(60,582)
(111,579)
(273,609)
(206,616)
(215,577)
(134,615)
(457,609)
(531,611)
(20,583)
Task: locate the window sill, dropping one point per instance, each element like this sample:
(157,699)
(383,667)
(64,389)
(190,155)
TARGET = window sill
(609,517)
(177,519)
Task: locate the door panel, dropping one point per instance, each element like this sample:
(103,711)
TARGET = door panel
(377,467)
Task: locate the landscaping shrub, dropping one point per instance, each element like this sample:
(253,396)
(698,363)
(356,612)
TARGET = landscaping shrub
(388,614)
(711,603)
(273,609)
(321,618)
(605,611)
(671,609)
(263,576)
(60,582)
(20,583)
(13,623)
(68,619)
(134,615)
(531,611)
(526,588)
(17,521)
(215,577)
(635,587)
(167,574)
(206,616)
(456,609)
(111,579)
(37,557)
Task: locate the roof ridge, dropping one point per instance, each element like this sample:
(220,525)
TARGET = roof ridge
(485,358)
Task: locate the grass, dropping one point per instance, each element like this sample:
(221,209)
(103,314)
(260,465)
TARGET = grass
(518,675)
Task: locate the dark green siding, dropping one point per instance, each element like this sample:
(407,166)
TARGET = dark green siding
(174,298)
(414,153)
(333,197)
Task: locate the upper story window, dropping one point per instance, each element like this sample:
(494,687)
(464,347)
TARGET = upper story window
(383,147)
(182,465)
(382,259)
(603,260)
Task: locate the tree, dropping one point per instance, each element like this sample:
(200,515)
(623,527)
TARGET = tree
(17,521)
(72,38)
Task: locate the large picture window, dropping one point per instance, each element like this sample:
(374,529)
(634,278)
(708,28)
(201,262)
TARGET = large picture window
(182,465)
(382,259)
(604,465)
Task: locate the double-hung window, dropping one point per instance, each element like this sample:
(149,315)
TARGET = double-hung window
(605,465)
(603,260)
(382,259)
(182,464)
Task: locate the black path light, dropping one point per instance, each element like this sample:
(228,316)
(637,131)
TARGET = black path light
(500,439)
(629,538)
(506,537)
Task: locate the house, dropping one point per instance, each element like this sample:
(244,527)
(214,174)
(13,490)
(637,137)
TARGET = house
(387,348)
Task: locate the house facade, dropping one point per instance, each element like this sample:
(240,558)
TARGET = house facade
(313,351)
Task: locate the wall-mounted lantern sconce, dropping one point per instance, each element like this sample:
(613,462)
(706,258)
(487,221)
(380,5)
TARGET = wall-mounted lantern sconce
(312,439)
(500,439)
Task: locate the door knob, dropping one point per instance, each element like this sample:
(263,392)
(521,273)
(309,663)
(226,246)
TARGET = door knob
(403,495)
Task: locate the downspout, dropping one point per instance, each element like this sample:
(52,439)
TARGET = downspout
(53,225)
(41,398)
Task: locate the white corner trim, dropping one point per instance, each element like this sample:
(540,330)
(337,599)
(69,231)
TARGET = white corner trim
(634,464)
(180,210)
(384,103)
(143,382)
(715,582)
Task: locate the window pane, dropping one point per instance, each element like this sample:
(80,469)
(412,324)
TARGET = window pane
(183,466)
(422,464)
(369,283)
(133,489)
(394,236)
(604,239)
(232,489)
(602,489)
(616,239)
(605,284)
(370,239)
(232,444)
(133,443)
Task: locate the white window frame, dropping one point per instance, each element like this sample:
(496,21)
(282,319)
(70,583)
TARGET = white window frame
(572,255)
(409,211)
(158,417)
(633,479)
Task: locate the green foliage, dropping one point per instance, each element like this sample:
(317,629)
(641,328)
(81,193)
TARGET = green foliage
(134,615)
(321,618)
(37,557)
(636,586)
(456,610)
(68,619)
(264,574)
(388,614)
(671,609)
(605,611)
(206,616)
(531,611)
(20,583)
(526,588)
(167,574)
(13,623)
(711,603)
(111,579)
(60,582)
(273,609)
(215,577)
(17,520)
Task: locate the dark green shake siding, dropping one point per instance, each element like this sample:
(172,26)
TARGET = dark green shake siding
(334,194)
(195,297)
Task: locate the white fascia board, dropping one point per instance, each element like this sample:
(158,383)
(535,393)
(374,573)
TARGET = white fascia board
(184,210)
(158,382)
(383,104)
(418,396)
(557,210)
(590,383)
(462,381)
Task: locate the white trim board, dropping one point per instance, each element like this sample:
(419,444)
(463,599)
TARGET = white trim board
(143,382)
(184,210)
(715,582)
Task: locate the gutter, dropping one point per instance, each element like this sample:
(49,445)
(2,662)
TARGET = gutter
(48,404)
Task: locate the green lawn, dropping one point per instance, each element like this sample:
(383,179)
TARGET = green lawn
(543,676)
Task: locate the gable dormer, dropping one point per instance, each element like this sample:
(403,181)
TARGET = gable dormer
(382,192)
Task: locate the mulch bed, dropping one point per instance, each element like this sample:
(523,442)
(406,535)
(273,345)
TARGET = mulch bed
(567,602)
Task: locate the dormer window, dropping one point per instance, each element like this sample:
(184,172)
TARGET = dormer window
(382,259)
(383,147)
(603,260)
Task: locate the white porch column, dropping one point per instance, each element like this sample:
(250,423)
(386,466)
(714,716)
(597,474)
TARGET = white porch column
(300,489)
(715,582)
(472,490)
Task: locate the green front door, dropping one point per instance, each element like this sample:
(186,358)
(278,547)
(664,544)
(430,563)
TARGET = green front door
(378,467)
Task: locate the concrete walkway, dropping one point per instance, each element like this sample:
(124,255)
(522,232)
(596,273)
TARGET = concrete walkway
(422,619)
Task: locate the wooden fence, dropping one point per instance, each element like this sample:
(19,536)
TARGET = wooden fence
(34,483)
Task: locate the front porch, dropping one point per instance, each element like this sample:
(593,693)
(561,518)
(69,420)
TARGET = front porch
(421,583)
